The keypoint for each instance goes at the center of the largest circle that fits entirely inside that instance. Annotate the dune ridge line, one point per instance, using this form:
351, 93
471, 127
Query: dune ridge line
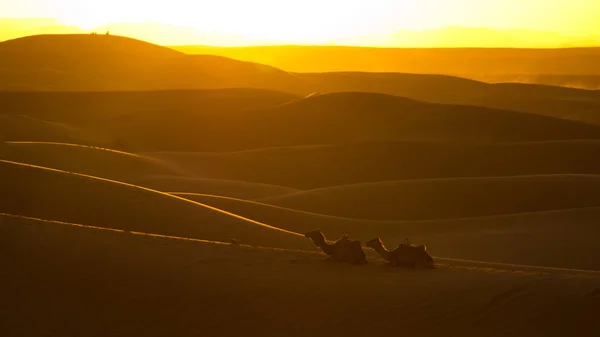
180, 238
497, 216
152, 191
82, 146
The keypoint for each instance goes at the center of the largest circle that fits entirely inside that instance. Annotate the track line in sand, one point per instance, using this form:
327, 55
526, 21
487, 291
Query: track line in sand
167, 165
162, 236
252, 202
450, 263
215, 209
483, 264
78, 145
496, 216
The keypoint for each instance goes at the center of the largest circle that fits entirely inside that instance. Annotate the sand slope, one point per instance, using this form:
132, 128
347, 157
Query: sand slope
563, 238
487, 64
448, 198
86, 62
95, 161
72, 281
351, 117
126, 121
23, 127
308, 167
231, 188
46, 193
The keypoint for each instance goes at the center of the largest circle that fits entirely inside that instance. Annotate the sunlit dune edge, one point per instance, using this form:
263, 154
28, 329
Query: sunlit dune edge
451, 261
55, 154
152, 191
366, 221
147, 285
226, 187
431, 197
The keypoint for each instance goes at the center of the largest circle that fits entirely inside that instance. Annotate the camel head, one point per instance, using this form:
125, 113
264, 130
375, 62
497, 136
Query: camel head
374, 243
316, 235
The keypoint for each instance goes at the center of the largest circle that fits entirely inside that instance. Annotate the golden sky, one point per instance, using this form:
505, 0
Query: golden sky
314, 21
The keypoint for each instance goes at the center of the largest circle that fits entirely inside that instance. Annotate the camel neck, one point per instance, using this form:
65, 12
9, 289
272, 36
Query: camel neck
383, 252
321, 243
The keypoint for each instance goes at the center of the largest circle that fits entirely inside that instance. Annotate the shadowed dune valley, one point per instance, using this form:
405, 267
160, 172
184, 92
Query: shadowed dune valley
292, 182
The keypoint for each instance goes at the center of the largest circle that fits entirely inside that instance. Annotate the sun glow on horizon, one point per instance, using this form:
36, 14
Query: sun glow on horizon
317, 21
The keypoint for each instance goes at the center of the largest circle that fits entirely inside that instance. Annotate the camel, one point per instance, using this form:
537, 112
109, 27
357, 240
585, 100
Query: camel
343, 250
405, 255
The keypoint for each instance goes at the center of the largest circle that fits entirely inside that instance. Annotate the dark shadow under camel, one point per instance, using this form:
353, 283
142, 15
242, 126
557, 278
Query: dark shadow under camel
343, 250
405, 255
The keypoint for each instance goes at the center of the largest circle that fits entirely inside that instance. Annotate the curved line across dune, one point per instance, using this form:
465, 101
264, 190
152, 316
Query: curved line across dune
97, 148
181, 238
268, 205
152, 191
172, 237
228, 181
420, 180
80, 145
496, 216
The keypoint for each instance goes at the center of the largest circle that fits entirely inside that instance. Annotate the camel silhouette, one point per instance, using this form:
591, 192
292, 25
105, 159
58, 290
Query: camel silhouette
343, 250
405, 255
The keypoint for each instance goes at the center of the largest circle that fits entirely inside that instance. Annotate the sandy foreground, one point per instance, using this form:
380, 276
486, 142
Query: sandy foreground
60, 280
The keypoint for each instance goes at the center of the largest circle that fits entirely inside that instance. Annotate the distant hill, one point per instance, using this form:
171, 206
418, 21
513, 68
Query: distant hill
99, 62
574, 67
125, 120
544, 100
444, 37
243, 119
351, 117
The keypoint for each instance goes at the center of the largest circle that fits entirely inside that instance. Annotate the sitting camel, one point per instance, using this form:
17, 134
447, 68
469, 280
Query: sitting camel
343, 250
406, 255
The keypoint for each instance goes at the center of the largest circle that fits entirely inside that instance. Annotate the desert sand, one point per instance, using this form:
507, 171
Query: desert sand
164, 194
80, 281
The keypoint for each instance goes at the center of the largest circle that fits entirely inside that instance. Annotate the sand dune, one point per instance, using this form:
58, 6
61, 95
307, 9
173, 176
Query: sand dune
22, 127
424, 199
487, 64
567, 67
59, 195
67, 107
308, 167
438, 88
148, 286
87, 62
536, 238
56, 195
118, 207
358, 117
583, 110
355, 116
95, 161
231, 188
218, 120
148, 120
543, 100
84, 62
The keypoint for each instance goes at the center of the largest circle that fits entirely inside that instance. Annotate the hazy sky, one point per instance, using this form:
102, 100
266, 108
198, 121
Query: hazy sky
309, 19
